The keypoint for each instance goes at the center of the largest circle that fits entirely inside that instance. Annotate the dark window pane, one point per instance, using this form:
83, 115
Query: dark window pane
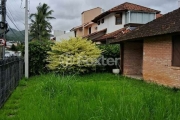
98, 22
102, 21
176, 51
118, 18
90, 30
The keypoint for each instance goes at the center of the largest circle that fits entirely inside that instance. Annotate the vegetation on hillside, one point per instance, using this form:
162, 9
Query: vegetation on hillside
14, 35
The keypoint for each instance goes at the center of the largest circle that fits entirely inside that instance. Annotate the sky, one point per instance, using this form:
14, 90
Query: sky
68, 12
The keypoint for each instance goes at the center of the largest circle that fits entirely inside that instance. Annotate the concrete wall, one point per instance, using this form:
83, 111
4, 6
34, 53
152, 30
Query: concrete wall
133, 58
79, 33
89, 15
157, 65
93, 29
58, 33
110, 23
65, 36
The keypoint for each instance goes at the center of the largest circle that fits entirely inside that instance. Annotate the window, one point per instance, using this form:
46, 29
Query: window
102, 21
75, 33
140, 17
98, 23
118, 18
80, 29
89, 30
176, 51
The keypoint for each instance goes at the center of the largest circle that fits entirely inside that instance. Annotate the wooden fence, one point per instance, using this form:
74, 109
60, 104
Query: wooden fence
11, 71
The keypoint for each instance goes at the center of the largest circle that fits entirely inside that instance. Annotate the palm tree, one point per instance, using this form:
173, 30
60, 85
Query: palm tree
41, 27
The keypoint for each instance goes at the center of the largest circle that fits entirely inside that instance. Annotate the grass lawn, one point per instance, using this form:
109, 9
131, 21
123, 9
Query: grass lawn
91, 97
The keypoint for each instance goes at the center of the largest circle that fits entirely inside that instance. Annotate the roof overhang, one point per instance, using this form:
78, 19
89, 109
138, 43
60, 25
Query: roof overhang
119, 40
96, 35
133, 25
89, 24
113, 35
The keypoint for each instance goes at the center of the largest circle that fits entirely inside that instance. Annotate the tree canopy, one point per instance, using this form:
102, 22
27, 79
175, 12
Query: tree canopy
40, 27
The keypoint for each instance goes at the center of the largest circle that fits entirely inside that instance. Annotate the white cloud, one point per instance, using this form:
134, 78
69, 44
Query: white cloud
68, 12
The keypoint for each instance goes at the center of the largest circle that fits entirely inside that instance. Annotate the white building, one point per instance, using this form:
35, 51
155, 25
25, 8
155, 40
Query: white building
65, 36
10, 43
58, 33
120, 20
61, 35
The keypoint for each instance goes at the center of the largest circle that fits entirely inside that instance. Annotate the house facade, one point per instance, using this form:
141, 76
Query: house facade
126, 15
87, 27
152, 51
118, 20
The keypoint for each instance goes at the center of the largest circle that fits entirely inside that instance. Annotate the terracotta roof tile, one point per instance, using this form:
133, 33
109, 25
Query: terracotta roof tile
133, 7
168, 23
85, 24
159, 15
113, 35
125, 7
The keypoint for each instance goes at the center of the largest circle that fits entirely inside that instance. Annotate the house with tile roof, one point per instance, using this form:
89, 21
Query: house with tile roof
123, 18
152, 51
87, 27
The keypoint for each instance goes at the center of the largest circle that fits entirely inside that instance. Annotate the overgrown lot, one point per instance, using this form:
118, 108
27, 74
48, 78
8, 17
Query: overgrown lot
91, 97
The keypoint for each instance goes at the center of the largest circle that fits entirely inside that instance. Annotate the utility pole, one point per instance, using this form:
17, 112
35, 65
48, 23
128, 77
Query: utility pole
3, 4
26, 41
4, 26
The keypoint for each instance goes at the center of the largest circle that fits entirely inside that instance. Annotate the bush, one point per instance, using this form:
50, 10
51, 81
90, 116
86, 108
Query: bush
109, 51
37, 56
73, 56
14, 48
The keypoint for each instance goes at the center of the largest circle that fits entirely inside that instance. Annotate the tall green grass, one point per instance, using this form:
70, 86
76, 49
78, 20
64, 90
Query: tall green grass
91, 97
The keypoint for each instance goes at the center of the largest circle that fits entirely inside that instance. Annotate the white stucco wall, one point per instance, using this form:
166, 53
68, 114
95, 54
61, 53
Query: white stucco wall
65, 36
135, 17
58, 33
110, 23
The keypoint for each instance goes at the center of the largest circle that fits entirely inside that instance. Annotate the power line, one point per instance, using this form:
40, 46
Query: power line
17, 14
11, 14
21, 4
14, 14
29, 6
14, 24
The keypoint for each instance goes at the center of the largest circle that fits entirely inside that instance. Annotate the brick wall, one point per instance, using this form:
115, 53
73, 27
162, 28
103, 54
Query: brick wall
133, 58
157, 57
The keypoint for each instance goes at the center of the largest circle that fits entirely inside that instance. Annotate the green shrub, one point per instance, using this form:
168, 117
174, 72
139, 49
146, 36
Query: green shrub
13, 48
37, 56
73, 56
109, 51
